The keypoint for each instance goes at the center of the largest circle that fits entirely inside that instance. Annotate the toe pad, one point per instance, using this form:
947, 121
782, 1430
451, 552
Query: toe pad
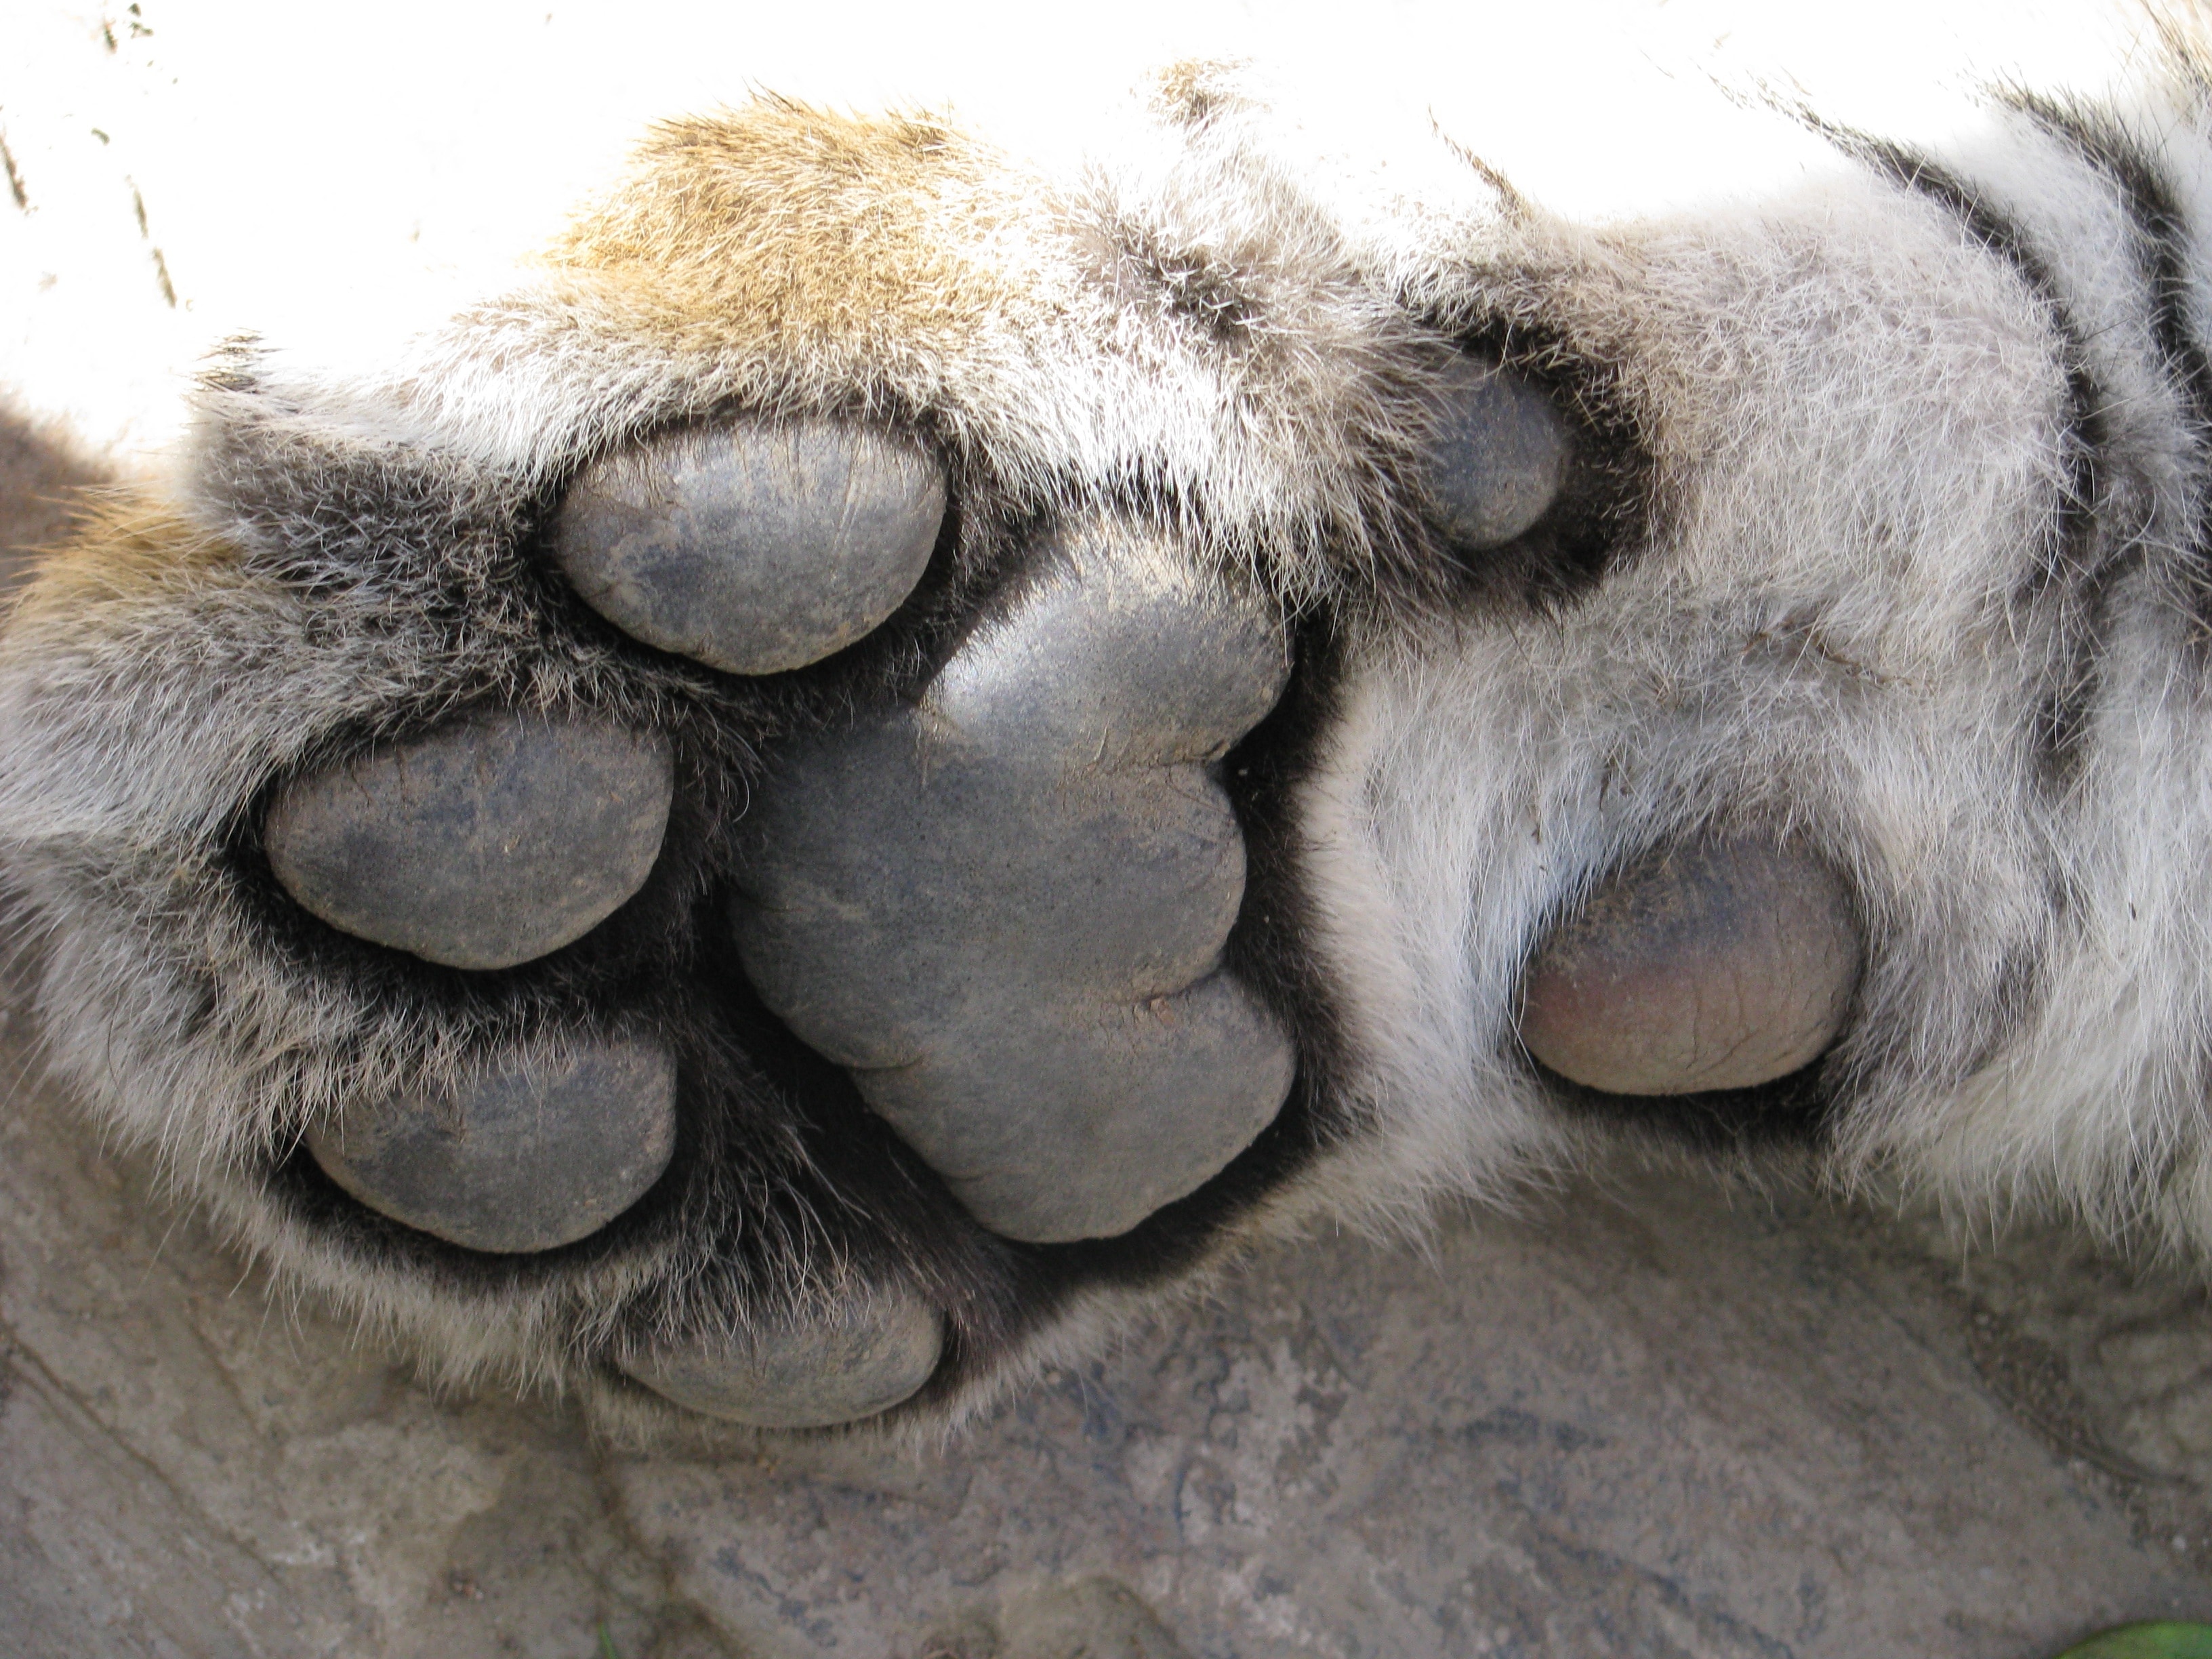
485, 844
1497, 455
755, 549
1717, 965
804, 1374
519, 1158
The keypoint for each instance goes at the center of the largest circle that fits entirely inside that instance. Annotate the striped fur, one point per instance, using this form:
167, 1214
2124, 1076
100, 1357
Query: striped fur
1893, 536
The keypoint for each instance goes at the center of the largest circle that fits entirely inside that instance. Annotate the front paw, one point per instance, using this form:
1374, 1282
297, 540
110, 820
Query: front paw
715, 830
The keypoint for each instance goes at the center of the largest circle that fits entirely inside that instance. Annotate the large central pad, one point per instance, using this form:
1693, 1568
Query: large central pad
1003, 907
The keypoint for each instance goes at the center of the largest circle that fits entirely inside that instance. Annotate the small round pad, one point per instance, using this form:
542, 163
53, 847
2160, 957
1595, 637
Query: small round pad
485, 844
755, 547
804, 1374
1717, 965
1497, 454
521, 1157
1005, 908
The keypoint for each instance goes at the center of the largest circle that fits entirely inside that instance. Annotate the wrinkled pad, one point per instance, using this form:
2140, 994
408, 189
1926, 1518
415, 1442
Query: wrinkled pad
754, 548
1004, 908
1715, 965
519, 1158
803, 1374
487, 843
1497, 455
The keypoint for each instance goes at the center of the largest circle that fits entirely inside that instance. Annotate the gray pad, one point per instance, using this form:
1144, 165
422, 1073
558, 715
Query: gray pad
1497, 454
519, 1158
804, 1375
483, 845
1005, 908
1717, 965
754, 548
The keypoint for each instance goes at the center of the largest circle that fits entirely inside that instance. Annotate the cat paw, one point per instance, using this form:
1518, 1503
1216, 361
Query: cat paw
716, 830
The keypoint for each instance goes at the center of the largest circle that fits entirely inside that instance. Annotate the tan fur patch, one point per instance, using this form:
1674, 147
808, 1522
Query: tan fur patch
783, 230
127, 546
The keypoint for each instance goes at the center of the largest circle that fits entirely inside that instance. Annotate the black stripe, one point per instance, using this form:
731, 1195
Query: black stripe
2078, 559
2088, 433
2165, 257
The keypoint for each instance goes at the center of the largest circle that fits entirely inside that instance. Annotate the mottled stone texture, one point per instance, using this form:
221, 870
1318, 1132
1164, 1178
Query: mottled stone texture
1661, 1421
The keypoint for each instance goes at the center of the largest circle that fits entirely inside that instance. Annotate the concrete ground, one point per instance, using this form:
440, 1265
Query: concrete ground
1647, 1416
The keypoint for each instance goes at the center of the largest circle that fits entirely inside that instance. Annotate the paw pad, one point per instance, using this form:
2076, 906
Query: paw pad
755, 549
487, 843
803, 1373
1004, 907
1717, 965
852, 984
930, 971
1497, 454
524, 1156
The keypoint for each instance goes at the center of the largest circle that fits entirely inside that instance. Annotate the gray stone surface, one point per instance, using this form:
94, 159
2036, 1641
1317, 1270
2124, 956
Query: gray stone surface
486, 843
1661, 1417
1497, 454
193, 1469
754, 548
804, 1374
1713, 965
1656, 1419
1647, 1424
523, 1156
1005, 908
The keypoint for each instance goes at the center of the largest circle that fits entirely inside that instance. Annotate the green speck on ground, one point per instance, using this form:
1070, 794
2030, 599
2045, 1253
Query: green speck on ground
2159, 1641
